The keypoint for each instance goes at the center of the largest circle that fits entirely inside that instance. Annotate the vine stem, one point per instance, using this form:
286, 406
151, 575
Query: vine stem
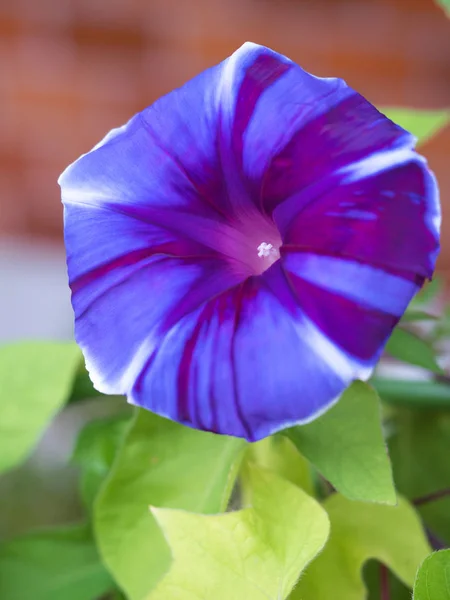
432, 497
384, 583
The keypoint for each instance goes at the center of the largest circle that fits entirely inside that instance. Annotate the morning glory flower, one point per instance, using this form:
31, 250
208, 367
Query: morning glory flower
240, 251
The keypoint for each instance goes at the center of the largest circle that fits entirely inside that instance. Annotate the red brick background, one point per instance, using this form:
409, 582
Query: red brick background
72, 69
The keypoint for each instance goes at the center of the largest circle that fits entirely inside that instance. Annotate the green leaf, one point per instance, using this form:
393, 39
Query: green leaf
429, 292
254, 554
278, 454
412, 316
82, 388
95, 450
35, 382
419, 449
346, 446
442, 328
410, 348
445, 5
359, 532
53, 565
164, 464
433, 577
421, 123
418, 394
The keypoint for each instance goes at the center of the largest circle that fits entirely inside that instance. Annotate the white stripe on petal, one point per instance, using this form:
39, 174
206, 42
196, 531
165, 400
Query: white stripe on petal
367, 285
344, 365
376, 163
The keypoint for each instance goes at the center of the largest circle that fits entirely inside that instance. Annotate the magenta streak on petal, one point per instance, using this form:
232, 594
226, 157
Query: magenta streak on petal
177, 249
187, 374
204, 373
238, 102
263, 73
236, 243
239, 293
376, 288
188, 406
322, 227
290, 208
343, 364
179, 298
219, 237
358, 329
269, 131
351, 130
205, 192
153, 316
418, 280
101, 280
129, 263
218, 278
186, 379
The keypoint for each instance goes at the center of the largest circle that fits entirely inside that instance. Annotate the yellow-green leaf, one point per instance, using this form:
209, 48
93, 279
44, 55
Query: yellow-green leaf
359, 532
253, 554
278, 454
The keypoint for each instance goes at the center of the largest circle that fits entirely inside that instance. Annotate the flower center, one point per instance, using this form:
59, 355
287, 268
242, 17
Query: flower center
268, 254
252, 245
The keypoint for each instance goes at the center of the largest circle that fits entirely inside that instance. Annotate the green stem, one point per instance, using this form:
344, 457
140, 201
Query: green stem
431, 497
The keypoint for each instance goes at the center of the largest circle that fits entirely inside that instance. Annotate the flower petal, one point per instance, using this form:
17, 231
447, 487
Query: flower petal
131, 172
131, 281
248, 363
121, 319
388, 218
364, 284
165, 217
354, 305
255, 109
288, 129
346, 130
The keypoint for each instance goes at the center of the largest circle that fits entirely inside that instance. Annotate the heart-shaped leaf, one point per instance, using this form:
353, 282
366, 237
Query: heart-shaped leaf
255, 554
164, 464
346, 446
433, 578
359, 532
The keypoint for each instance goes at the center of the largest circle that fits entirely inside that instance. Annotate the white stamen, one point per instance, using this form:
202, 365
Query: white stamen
269, 254
265, 250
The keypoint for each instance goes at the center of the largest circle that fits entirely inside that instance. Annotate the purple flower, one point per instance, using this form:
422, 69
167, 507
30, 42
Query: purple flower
241, 250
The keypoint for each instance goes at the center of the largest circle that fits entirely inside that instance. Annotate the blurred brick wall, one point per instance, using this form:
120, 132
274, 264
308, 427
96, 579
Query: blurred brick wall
72, 69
